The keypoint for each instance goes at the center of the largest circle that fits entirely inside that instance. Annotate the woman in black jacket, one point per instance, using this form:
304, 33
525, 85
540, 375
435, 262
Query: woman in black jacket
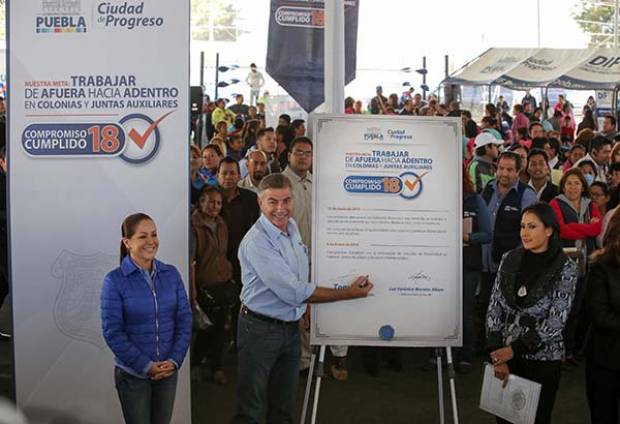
531, 300
603, 345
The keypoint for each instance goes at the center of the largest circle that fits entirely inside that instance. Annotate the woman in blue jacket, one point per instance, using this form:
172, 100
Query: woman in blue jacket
147, 323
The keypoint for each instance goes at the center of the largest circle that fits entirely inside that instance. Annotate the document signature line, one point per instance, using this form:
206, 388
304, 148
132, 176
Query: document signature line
407, 245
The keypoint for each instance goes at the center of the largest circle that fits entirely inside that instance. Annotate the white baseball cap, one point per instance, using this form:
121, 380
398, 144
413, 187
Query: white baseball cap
485, 138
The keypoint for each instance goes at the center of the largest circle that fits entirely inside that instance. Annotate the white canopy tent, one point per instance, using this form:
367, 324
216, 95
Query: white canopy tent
523, 68
574, 69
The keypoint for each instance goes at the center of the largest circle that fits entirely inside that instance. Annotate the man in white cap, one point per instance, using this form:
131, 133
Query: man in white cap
482, 168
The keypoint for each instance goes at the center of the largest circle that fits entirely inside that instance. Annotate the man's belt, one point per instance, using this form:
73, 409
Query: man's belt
249, 312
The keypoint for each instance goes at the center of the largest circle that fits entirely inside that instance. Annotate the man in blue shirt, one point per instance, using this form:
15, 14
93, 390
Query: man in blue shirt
276, 289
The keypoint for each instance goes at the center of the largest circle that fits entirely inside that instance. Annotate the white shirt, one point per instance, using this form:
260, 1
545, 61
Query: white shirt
302, 204
539, 192
255, 80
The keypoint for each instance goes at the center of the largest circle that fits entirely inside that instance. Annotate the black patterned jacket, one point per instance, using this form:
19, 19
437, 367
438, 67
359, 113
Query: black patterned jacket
534, 330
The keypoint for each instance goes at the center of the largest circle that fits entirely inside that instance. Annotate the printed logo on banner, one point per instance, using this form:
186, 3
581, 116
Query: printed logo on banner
373, 134
604, 61
60, 16
135, 139
408, 185
125, 15
76, 309
302, 17
376, 134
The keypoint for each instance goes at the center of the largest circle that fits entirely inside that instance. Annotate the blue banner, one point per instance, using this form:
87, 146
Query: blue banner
295, 53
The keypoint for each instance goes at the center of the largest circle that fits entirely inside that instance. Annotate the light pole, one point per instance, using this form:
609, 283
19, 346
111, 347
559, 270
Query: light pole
616, 25
538, 20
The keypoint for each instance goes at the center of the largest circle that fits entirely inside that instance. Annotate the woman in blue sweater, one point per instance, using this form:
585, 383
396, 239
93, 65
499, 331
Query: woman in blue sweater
147, 323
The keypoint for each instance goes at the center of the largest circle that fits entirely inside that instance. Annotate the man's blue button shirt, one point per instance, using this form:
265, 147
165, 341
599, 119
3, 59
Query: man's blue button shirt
275, 271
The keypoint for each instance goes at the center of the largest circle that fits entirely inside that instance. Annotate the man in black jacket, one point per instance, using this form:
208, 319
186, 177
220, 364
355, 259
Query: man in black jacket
506, 196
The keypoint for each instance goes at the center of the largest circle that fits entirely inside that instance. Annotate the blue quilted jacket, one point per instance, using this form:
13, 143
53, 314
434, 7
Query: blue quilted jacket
141, 324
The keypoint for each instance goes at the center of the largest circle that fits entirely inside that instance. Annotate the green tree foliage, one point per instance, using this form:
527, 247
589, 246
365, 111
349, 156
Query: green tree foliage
597, 20
214, 20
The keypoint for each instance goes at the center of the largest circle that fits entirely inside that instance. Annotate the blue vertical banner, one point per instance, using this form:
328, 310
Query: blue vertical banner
295, 54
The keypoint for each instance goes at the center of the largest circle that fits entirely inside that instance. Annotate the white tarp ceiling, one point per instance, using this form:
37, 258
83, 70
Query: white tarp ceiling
576, 69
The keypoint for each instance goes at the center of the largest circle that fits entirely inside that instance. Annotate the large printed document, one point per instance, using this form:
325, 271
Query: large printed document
517, 402
387, 204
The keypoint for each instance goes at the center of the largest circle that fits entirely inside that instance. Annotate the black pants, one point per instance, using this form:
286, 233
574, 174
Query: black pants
547, 373
4, 288
217, 302
574, 330
603, 390
471, 280
4, 265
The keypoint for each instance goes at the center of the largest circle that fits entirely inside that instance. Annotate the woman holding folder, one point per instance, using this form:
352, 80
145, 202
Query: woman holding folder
529, 306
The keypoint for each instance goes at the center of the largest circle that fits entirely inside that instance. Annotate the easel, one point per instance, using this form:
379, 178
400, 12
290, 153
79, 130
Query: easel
320, 373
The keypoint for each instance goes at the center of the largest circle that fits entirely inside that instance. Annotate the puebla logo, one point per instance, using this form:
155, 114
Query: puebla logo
60, 16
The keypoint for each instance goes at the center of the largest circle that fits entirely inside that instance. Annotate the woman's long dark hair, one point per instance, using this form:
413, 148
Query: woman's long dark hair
544, 212
128, 229
610, 253
468, 185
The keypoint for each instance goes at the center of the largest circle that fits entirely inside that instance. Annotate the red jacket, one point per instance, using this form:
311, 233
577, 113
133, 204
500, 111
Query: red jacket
576, 231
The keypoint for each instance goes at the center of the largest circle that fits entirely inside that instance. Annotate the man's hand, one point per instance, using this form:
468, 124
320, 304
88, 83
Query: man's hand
305, 319
360, 287
502, 372
595, 220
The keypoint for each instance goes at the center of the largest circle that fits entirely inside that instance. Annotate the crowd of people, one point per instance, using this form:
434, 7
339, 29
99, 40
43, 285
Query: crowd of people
540, 256
541, 195
540, 198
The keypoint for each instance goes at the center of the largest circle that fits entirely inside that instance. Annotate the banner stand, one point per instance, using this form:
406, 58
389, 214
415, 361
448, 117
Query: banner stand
438, 351
308, 387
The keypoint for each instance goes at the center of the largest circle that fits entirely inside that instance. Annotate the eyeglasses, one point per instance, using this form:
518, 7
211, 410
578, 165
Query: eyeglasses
301, 153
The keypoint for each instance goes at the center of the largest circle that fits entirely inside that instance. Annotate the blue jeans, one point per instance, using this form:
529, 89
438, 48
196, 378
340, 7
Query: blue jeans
145, 401
268, 371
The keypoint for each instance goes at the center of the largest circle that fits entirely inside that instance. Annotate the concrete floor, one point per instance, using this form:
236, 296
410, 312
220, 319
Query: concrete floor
409, 396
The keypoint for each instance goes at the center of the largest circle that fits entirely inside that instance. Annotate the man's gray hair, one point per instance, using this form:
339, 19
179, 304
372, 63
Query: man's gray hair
274, 181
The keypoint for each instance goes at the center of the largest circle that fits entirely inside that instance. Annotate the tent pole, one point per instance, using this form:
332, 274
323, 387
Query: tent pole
614, 102
546, 102
334, 57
